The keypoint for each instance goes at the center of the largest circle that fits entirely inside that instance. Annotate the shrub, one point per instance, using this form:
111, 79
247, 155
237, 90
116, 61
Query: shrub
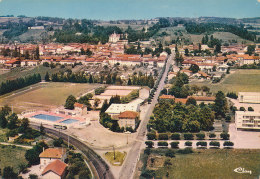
188, 136
212, 135
242, 109
149, 144
151, 136
187, 150
188, 143
163, 144
174, 144
228, 118
225, 136
202, 144
200, 136
148, 174
163, 136
147, 151
228, 144
232, 95
214, 144
250, 109
175, 136
170, 153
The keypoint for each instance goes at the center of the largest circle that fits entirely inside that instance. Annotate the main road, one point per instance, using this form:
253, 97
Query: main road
101, 168
127, 171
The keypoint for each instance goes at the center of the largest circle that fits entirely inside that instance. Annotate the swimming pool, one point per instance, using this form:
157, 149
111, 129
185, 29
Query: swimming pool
69, 121
47, 117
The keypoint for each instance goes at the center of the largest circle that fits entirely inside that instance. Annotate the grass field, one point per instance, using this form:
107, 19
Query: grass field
119, 157
239, 81
12, 156
213, 164
22, 72
45, 96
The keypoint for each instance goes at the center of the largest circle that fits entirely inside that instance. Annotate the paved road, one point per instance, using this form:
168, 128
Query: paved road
128, 168
102, 169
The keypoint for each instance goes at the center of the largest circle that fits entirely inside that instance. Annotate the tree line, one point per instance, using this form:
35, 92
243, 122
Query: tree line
12, 85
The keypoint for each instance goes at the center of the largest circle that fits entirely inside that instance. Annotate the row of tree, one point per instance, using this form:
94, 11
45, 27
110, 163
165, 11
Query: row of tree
11, 85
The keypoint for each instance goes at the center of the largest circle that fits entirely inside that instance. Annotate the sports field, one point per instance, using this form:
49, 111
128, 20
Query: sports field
44, 96
239, 81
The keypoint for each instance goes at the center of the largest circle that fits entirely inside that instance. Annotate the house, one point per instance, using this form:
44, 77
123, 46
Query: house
204, 99
51, 154
54, 170
223, 68
81, 108
12, 63
170, 97
187, 72
247, 120
116, 109
30, 63
128, 119
249, 97
113, 38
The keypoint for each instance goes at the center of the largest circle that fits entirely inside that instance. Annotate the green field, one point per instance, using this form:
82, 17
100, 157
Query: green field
239, 81
119, 157
22, 72
12, 156
44, 96
211, 164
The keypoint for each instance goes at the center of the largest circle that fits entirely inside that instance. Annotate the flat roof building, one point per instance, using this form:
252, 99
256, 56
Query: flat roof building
249, 97
247, 120
116, 109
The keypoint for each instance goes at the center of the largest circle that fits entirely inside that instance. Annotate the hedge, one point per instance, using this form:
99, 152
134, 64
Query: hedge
188, 136
151, 136
203, 144
188, 143
200, 136
176, 136
212, 135
149, 144
174, 144
228, 144
163, 136
163, 144
224, 136
214, 143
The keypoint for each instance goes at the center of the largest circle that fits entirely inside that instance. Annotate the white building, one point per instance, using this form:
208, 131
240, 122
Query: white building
116, 109
114, 38
247, 120
249, 97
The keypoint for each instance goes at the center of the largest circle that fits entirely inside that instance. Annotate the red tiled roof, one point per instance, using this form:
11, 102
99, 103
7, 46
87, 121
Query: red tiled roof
53, 153
204, 98
128, 115
181, 100
56, 166
78, 105
167, 97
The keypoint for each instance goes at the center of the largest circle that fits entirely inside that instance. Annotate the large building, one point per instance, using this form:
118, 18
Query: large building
116, 109
249, 97
128, 119
247, 120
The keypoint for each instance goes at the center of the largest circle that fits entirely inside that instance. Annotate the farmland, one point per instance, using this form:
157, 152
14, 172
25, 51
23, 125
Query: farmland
44, 96
238, 81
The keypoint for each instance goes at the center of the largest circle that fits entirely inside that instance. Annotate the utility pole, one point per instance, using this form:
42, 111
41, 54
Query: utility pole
114, 153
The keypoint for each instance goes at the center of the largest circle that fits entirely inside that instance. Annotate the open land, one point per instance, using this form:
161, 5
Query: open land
212, 163
239, 81
12, 156
45, 95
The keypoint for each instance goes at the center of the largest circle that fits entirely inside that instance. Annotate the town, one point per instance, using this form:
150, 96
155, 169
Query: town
138, 99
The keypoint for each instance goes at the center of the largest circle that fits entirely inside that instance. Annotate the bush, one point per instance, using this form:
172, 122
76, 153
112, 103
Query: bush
170, 153
228, 144
188, 143
147, 151
225, 136
212, 135
151, 136
163, 136
149, 144
242, 109
162, 144
175, 136
250, 109
214, 144
188, 136
148, 174
232, 95
228, 118
174, 144
200, 136
187, 150
202, 144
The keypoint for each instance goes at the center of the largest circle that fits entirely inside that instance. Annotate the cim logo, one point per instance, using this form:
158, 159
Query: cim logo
242, 170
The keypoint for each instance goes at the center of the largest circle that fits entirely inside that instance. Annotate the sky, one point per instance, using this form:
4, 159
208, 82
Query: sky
131, 9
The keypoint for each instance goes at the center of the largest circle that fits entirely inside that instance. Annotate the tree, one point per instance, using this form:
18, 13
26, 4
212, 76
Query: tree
12, 121
242, 108
218, 48
220, 104
192, 101
47, 77
186, 52
250, 49
42, 129
9, 173
104, 106
71, 100
96, 102
24, 125
37, 53
58, 142
250, 109
32, 156
174, 144
194, 68
149, 144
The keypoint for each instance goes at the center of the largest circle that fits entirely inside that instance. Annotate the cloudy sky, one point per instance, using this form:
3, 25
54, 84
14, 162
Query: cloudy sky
131, 9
